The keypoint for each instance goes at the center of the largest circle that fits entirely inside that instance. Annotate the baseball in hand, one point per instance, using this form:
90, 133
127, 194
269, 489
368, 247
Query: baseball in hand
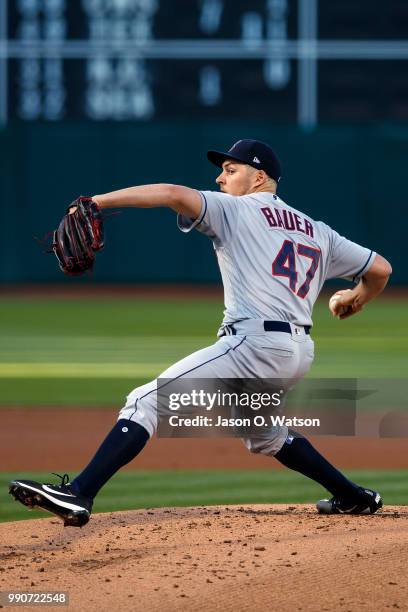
335, 303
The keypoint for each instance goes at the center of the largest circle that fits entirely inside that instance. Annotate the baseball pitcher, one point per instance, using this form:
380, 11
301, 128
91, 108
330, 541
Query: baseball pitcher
274, 261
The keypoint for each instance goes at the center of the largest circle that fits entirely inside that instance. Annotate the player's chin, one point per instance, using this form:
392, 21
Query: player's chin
232, 192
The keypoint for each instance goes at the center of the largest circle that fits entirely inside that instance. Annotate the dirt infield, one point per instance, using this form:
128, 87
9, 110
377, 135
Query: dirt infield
42, 439
45, 438
217, 558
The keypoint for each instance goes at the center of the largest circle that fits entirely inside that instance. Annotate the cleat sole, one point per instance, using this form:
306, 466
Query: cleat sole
73, 519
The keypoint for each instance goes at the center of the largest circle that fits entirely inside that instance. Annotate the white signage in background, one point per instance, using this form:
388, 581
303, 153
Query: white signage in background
29, 81
119, 89
54, 29
252, 29
210, 86
210, 93
41, 92
48, 48
210, 15
277, 70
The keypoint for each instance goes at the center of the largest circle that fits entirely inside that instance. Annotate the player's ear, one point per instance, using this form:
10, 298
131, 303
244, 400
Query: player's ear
260, 177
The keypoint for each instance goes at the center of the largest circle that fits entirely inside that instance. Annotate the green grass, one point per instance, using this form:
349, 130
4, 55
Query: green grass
94, 351
147, 489
93, 393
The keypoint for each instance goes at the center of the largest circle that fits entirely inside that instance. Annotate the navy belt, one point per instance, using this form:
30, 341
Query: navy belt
283, 326
279, 326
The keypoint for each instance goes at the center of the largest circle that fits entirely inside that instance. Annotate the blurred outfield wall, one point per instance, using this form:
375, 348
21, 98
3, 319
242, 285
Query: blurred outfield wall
354, 178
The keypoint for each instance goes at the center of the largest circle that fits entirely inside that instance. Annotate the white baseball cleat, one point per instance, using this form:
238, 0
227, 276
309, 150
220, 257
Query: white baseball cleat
367, 502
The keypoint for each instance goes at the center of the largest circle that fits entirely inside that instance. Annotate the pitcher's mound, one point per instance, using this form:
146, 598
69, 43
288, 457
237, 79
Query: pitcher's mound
213, 558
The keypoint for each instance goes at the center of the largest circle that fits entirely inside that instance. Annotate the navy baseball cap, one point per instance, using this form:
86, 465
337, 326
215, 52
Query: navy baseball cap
252, 152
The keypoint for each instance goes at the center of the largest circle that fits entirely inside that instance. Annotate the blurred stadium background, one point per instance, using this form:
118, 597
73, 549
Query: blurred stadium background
96, 95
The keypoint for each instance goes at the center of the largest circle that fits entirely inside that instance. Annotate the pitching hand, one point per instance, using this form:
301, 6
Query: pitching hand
345, 303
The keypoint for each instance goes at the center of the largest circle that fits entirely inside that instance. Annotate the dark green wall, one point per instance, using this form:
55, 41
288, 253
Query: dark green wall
353, 178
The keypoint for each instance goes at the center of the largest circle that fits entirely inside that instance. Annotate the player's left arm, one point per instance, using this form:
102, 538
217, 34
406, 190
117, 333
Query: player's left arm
183, 200
372, 283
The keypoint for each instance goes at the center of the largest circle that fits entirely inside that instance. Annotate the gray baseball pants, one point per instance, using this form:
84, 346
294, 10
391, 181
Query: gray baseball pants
250, 353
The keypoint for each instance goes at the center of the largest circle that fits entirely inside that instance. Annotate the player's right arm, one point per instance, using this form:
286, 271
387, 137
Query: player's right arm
181, 199
371, 284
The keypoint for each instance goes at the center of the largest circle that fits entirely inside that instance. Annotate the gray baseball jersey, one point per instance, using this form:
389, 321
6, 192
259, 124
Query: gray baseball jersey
273, 258
274, 261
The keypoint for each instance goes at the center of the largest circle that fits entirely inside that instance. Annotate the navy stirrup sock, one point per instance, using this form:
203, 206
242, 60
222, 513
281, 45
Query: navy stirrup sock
120, 446
298, 454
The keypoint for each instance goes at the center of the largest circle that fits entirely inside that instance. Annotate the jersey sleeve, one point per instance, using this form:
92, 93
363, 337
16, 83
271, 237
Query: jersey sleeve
218, 216
347, 259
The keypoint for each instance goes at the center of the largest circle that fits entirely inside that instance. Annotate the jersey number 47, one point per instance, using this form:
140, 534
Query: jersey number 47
284, 264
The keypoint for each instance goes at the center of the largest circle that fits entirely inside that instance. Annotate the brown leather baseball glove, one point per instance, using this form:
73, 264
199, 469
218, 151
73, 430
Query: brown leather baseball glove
79, 236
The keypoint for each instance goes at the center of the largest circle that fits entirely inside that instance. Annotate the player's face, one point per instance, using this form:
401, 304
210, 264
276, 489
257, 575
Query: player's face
235, 178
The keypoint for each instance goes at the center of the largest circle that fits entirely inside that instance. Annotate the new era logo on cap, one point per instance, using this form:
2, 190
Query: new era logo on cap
256, 160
